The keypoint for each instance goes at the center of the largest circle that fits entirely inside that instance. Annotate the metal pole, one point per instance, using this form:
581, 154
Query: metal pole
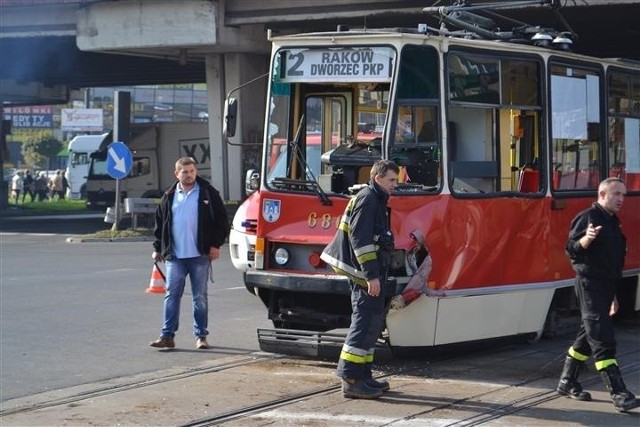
116, 222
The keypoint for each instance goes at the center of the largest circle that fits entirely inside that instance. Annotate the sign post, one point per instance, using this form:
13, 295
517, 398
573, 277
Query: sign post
119, 162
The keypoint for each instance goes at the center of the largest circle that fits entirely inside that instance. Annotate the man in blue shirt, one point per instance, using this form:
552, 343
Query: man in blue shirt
191, 226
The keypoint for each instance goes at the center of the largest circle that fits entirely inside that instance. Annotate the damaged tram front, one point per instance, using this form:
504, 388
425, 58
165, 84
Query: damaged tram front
494, 165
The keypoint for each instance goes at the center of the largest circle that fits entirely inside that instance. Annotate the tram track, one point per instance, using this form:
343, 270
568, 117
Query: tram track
502, 410
488, 406
527, 402
113, 389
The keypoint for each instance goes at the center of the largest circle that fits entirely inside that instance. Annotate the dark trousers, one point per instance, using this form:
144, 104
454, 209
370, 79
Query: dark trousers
595, 337
367, 321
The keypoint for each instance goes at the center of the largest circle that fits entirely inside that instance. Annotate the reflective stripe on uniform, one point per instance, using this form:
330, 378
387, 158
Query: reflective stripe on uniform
354, 350
355, 355
577, 355
353, 358
364, 250
603, 364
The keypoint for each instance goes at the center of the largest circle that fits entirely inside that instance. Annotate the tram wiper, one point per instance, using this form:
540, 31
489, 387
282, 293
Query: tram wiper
298, 155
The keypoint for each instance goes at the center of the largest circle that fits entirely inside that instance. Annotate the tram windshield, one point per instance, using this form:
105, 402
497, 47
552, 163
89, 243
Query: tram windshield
327, 111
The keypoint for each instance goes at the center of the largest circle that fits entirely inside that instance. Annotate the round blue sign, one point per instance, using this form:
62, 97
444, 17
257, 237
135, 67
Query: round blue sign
119, 160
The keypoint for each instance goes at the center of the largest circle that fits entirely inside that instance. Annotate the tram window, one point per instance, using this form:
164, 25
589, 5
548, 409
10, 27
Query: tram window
418, 76
490, 80
624, 128
474, 78
495, 103
416, 147
576, 127
416, 143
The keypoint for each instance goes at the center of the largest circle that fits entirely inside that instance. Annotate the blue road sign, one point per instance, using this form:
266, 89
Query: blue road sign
119, 160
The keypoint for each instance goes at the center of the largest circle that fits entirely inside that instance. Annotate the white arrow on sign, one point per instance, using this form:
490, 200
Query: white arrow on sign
119, 161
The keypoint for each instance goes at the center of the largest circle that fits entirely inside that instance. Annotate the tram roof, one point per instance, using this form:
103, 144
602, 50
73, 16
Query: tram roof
378, 35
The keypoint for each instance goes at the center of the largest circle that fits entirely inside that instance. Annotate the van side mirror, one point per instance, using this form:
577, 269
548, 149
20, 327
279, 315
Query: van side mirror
251, 181
230, 117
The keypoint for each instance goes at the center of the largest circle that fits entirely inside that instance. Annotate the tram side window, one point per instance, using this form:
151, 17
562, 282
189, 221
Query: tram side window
576, 127
416, 145
624, 128
494, 124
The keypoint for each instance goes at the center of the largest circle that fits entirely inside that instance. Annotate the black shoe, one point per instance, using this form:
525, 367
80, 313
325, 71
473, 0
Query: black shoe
358, 389
623, 399
380, 385
569, 385
573, 390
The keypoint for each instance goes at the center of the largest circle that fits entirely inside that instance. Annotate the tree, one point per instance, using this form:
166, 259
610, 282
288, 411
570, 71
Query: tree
38, 153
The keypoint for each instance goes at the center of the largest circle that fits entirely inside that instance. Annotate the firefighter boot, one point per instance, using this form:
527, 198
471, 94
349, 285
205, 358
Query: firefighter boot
623, 399
569, 385
373, 383
358, 389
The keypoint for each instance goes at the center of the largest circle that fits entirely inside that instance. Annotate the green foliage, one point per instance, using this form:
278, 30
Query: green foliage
63, 206
37, 153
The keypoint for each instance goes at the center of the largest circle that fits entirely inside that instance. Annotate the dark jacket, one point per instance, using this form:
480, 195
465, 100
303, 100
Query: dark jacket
604, 258
213, 222
362, 245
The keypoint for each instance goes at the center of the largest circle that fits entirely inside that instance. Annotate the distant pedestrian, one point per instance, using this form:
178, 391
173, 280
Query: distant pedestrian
361, 250
56, 185
29, 186
17, 185
597, 249
41, 186
65, 184
191, 226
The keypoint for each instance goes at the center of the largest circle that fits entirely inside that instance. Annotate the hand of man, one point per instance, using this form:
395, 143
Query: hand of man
157, 256
214, 253
590, 235
373, 287
614, 307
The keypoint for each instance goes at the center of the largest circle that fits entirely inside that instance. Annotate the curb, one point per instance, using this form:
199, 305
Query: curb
80, 239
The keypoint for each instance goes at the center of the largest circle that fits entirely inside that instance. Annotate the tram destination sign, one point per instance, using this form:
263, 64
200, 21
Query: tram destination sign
353, 64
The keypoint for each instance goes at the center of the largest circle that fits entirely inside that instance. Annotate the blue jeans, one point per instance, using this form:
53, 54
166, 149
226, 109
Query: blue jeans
177, 271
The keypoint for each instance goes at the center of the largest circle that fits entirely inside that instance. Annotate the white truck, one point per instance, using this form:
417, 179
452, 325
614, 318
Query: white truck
80, 149
155, 148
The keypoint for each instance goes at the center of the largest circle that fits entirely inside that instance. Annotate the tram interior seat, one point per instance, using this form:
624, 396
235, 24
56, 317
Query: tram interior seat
529, 181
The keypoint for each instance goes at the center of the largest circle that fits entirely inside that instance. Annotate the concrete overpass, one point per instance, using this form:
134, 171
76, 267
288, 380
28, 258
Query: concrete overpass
49, 47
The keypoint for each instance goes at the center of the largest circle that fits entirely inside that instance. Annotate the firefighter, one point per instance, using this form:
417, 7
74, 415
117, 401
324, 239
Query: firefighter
597, 248
361, 250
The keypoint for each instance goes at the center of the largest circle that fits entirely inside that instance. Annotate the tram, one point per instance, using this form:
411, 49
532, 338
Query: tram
502, 138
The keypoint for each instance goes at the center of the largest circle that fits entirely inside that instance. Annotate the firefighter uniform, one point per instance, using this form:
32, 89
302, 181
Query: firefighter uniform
598, 268
361, 250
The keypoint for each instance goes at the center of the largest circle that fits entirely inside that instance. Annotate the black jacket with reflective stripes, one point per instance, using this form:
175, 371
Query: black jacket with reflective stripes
363, 239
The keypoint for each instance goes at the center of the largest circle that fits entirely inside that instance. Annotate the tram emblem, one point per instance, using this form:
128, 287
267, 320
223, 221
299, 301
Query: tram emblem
271, 210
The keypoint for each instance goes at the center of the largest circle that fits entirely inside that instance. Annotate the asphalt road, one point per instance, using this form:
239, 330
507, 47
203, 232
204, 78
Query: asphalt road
77, 313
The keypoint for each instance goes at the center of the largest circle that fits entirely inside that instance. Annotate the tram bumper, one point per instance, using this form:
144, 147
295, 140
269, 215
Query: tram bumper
322, 284
324, 345
303, 301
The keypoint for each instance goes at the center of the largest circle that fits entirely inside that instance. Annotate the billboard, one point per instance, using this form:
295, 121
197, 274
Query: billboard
82, 119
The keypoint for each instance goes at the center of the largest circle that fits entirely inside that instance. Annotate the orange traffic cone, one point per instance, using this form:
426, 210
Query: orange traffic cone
157, 284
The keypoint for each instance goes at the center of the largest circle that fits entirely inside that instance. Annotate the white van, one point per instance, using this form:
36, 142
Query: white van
80, 149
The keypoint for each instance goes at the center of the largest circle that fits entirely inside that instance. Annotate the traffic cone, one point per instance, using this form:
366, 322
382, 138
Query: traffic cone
157, 284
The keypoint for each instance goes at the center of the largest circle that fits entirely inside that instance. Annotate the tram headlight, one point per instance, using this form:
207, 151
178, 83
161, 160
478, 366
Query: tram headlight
281, 256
